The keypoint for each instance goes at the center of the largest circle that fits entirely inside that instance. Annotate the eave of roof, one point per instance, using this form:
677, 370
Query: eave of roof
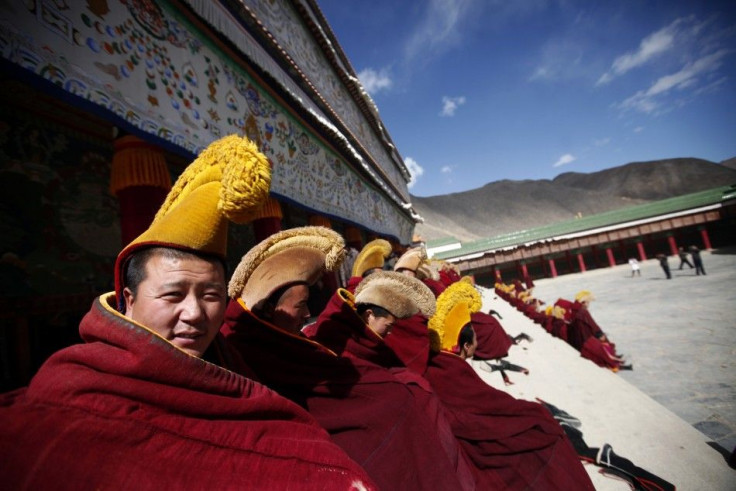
630, 216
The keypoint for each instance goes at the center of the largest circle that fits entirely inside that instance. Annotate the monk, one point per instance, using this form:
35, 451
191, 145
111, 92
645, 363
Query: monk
355, 327
514, 444
585, 335
370, 259
144, 403
368, 411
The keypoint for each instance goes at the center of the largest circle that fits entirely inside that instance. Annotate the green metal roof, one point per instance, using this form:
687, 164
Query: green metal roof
441, 242
609, 218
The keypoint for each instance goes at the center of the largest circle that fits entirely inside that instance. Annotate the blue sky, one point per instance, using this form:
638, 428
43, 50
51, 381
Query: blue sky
474, 91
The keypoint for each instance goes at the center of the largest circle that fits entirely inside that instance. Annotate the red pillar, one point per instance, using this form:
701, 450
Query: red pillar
673, 245
140, 179
268, 221
706, 239
611, 259
524, 272
581, 262
552, 268
497, 273
642, 253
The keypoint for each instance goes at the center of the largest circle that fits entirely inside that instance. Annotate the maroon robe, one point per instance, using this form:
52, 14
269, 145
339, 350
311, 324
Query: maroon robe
368, 412
514, 444
409, 340
493, 341
448, 276
437, 287
601, 353
353, 283
128, 410
581, 327
560, 328
341, 329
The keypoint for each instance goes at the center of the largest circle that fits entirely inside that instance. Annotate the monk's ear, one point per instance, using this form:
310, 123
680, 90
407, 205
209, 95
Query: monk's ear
129, 298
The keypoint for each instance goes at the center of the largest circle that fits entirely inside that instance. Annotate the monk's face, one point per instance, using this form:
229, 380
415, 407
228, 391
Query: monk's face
469, 349
181, 299
291, 311
380, 325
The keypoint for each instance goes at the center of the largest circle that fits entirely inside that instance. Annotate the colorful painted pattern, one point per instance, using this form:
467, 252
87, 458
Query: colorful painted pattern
144, 62
279, 18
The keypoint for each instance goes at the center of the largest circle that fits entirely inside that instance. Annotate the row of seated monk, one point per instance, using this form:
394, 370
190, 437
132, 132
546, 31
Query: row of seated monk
188, 380
570, 321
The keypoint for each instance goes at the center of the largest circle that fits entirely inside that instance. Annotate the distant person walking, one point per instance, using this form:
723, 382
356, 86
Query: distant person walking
695, 253
683, 258
665, 265
634, 267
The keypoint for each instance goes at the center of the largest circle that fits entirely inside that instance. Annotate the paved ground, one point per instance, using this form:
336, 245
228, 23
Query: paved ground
679, 333
675, 413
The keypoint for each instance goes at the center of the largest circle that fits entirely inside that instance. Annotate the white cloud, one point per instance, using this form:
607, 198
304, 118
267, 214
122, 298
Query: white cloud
649, 48
561, 59
439, 29
564, 160
446, 169
602, 142
450, 105
638, 129
374, 81
649, 101
415, 170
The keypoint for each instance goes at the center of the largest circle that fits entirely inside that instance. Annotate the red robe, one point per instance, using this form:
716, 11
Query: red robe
340, 329
353, 283
409, 340
493, 341
581, 327
128, 410
514, 444
368, 412
601, 353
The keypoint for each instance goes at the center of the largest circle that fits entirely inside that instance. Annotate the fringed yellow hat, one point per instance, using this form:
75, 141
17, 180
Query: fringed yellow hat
373, 255
584, 296
229, 180
297, 255
454, 307
411, 259
557, 312
401, 295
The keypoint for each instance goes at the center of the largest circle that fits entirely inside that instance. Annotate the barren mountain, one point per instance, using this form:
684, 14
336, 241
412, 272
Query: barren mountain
506, 206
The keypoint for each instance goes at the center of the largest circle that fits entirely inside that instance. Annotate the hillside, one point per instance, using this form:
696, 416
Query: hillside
507, 206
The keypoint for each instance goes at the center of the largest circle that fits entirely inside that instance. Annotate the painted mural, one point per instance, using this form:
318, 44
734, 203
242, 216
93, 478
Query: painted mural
144, 62
279, 18
59, 226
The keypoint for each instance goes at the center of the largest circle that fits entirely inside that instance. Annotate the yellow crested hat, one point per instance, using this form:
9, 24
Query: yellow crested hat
454, 306
584, 296
558, 312
373, 255
401, 295
297, 255
228, 181
411, 259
